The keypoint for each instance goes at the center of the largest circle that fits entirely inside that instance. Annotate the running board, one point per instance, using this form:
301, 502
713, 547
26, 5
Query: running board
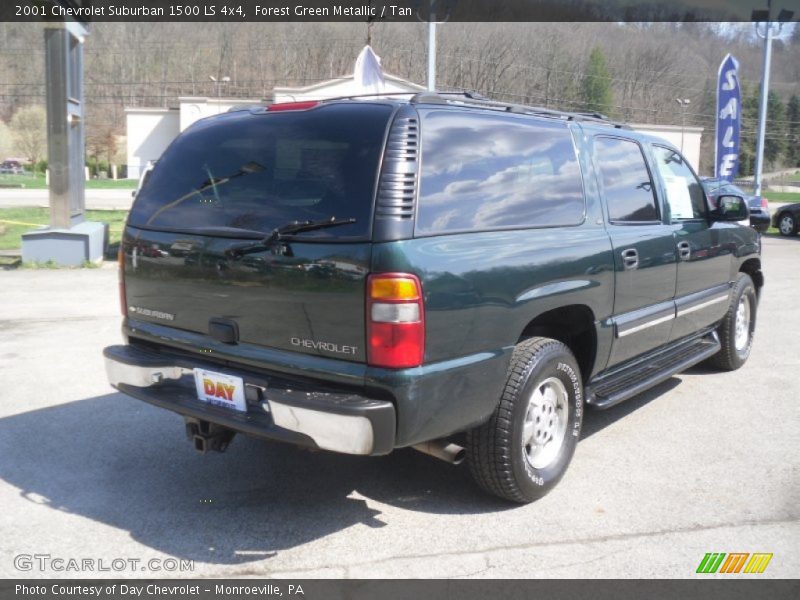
652, 370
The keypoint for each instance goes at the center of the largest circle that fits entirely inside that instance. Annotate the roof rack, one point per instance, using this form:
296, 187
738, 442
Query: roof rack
375, 95
471, 99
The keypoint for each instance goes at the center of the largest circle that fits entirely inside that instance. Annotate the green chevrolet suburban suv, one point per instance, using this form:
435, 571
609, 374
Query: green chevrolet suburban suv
439, 271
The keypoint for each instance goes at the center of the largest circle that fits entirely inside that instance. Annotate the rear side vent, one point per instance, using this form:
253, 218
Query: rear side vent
397, 188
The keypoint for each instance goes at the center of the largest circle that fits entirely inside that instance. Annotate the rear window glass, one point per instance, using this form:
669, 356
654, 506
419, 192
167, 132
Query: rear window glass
486, 171
259, 172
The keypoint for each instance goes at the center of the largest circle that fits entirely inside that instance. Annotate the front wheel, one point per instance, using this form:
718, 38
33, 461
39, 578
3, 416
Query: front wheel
523, 450
738, 326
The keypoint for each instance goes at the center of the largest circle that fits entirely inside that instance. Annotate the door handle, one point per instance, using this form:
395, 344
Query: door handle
684, 250
630, 259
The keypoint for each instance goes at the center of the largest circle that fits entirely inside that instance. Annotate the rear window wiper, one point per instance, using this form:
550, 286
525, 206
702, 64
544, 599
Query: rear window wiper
225, 232
281, 232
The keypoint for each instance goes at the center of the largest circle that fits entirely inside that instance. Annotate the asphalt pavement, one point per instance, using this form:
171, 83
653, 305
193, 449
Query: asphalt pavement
706, 462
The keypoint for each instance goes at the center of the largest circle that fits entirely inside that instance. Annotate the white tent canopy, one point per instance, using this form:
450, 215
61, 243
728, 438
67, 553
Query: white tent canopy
368, 73
367, 78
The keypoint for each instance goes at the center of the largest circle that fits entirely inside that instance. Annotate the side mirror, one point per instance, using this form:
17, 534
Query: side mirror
730, 208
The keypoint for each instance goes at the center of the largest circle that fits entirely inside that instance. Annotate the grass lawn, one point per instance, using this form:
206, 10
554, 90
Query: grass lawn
17, 221
782, 196
28, 181
37, 183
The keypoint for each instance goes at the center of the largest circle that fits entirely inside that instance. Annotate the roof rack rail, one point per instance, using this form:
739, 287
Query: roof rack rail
375, 95
469, 99
472, 98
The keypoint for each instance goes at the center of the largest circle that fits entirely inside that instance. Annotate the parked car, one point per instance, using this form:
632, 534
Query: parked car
441, 272
787, 218
758, 205
11, 167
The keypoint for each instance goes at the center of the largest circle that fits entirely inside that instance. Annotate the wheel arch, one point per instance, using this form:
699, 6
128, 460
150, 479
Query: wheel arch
752, 266
574, 326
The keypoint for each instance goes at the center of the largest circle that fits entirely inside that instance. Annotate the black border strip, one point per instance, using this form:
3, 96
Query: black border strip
711, 587
385, 10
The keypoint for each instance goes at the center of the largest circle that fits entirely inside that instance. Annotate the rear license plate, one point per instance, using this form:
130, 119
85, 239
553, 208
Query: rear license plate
220, 389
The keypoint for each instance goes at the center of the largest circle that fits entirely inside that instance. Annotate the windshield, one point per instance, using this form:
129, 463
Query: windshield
260, 172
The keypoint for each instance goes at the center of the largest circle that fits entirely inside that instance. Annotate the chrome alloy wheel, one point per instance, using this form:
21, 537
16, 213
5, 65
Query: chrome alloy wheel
786, 225
545, 423
742, 332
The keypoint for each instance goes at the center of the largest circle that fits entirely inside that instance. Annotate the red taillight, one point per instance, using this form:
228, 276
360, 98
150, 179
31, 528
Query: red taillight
292, 106
395, 321
123, 305
764, 204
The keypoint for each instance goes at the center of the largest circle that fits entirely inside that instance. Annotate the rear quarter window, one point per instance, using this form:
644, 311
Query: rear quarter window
487, 171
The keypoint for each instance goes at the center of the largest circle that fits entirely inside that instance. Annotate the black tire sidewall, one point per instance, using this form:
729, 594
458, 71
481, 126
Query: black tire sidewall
556, 362
744, 287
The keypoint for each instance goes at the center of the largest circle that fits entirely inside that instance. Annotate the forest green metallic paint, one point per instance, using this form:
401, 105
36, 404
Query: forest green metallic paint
288, 292
296, 303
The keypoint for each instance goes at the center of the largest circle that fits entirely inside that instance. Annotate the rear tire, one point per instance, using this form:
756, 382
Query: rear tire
737, 327
787, 224
523, 450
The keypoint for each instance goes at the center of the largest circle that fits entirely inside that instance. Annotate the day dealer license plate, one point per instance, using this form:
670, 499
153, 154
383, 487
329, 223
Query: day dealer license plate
220, 389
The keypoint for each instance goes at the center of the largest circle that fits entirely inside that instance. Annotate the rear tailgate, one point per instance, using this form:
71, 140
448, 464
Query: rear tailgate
230, 180
309, 299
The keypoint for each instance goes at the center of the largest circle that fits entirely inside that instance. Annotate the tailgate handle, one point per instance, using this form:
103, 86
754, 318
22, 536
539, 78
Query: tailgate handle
224, 330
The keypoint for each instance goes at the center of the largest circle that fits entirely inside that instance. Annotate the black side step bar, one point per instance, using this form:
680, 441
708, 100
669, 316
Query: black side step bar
652, 370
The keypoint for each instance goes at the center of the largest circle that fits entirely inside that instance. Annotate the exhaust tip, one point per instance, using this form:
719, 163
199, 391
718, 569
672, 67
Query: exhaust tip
446, 451
460, 455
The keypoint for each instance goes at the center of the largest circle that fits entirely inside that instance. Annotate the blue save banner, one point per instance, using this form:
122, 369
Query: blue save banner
729, 119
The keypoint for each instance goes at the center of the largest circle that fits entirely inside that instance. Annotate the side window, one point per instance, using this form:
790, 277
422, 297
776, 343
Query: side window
627, 186
486, 171
684, 193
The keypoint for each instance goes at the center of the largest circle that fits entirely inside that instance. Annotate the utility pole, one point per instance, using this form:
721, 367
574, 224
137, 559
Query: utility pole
432, 53
684, 102
431, 18
765, 16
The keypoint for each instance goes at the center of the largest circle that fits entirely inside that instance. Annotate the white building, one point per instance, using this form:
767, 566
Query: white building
342, 86
687, 139
150, 130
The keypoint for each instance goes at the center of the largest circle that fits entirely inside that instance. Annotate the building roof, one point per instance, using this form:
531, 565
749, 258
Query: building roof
393, 80
677, 128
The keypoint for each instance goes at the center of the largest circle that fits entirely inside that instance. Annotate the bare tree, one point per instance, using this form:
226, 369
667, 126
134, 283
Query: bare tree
101, 135
650, 64
6, 145
29, 132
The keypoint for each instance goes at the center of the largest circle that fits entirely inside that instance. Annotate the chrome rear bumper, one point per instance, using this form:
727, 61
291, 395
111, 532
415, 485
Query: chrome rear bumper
329, 420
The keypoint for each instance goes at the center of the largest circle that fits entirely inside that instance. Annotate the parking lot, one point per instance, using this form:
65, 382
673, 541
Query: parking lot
706, 462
